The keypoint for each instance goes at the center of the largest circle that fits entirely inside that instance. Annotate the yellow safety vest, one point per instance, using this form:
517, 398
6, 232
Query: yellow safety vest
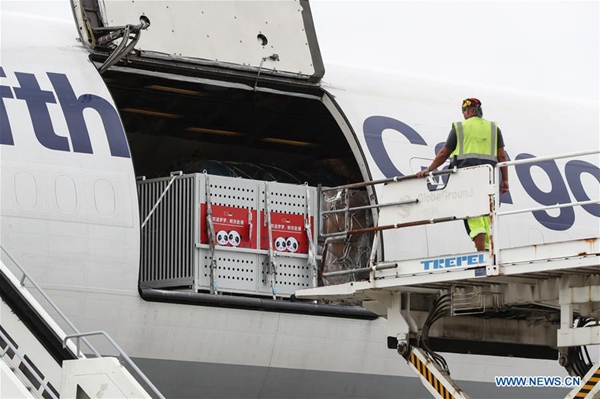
476, 138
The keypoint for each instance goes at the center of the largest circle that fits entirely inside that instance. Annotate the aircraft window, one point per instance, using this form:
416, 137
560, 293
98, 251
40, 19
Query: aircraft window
25, 190
66, 193
104, 196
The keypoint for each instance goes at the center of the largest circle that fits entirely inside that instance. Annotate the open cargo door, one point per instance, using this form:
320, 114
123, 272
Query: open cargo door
275, 38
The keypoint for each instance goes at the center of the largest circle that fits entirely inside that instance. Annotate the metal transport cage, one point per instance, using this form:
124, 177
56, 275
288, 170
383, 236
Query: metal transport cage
227, 235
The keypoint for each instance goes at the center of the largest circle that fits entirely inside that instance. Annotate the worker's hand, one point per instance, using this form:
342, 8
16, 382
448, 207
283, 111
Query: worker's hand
504, 187
423, 172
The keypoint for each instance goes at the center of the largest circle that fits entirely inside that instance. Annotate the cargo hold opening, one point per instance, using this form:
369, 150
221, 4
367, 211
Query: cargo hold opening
196, 125
276, 133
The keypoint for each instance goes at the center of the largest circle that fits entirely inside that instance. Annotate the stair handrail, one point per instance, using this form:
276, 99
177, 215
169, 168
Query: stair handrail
26, 363
27, 276
79, 335
122, 355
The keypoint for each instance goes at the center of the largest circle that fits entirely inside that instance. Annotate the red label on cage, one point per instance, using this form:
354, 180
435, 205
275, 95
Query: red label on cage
287, 232
234, 227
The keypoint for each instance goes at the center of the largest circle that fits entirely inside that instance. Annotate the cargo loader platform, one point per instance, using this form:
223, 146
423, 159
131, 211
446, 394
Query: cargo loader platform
431, 274
550, 283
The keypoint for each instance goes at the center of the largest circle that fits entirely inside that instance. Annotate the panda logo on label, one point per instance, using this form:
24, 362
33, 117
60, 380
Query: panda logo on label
291, 244
234, 238
222, 237
280, 244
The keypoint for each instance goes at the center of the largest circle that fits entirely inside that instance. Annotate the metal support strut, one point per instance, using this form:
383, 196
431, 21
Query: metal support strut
312, 252
162, 195
211, 238
270, 263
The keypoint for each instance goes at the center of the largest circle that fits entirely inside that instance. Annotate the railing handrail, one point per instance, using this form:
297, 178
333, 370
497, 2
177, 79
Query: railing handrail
493, 211
26, 363
547, 158
547, 207
386, 180
347, 209
497, 170
122, 355
494, 241
46, 297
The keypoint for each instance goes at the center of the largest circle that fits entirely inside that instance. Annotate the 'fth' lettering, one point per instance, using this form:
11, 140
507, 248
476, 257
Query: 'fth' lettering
72, 106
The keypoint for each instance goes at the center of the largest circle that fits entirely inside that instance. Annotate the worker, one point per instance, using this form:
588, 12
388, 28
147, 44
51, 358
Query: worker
476, 141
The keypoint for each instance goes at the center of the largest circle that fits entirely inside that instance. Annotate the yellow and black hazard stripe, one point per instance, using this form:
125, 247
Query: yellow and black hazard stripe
589, 385
432, 379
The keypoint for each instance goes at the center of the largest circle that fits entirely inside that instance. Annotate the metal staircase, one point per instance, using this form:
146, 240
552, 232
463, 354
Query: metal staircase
39, 360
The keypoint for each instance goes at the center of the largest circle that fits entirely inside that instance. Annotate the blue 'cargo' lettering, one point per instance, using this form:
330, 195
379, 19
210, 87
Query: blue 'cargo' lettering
559, 194
573, 171
373, 130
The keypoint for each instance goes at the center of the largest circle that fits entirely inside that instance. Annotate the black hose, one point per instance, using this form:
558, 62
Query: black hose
579, 355
113, 57
441, 308
123, 48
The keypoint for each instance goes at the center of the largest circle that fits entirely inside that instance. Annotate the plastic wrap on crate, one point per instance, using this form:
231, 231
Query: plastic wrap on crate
353, 252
